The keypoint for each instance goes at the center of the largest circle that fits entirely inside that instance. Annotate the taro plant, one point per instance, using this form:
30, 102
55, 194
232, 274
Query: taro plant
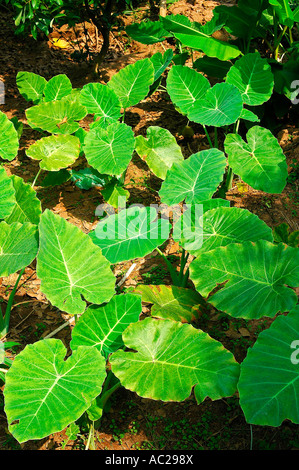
230, 260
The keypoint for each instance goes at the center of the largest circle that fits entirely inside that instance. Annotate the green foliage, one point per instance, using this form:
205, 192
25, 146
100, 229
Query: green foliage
238, 264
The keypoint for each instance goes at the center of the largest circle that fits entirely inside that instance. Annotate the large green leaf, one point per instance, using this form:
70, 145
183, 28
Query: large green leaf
148, 32
101, 101
70, 266
256, 276
222, 105
132, 233
195, 179
18, 246
27, 207
269, 380
159, 149
171, 358
9, 142
190, 35
55, 152
171, 302
260, 162
44, 393
185, 86
253, 77
57, 117
102, 326
31, 86
7, 194
225, 225
110, 150
132, 83
58, 87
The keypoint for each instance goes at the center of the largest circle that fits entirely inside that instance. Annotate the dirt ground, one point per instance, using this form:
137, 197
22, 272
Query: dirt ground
133, 422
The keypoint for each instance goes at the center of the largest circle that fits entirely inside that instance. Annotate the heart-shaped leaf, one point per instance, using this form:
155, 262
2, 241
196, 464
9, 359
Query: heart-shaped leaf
132, 83
132, 233
55, 152
110, 150
9, 142
31, 86
171, 302
253, 77
18, 246
269, 380
102, 326
260, 162
27, 207
225, 225
222, 105
195, 179
255, 277
7, 194
171, 358
70, 266
57, 117
101, 101
57, 87
44, 393
159, 149
185, 86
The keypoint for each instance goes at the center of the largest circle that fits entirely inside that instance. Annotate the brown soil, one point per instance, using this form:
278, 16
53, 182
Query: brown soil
133, 422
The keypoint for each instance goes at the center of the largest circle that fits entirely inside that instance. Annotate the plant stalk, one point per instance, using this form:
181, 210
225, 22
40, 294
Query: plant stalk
4, 321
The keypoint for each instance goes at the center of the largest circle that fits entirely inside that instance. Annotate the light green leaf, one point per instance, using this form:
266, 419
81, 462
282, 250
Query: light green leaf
249, 115
31, 86
171, 358
256, 276
159, 149
171, 302
44, 393
9, 142
55, 152
253, 77
70, 266
260, 162
269, 380
58, 87
132, 233
27, 207
195, 179
113, 192
7, 194
185, 86
283, 11
102, 326
190, 35
222, 105
110, 150
101, 101
132, 83
225, 225
57, 117
161, 62
18, 246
